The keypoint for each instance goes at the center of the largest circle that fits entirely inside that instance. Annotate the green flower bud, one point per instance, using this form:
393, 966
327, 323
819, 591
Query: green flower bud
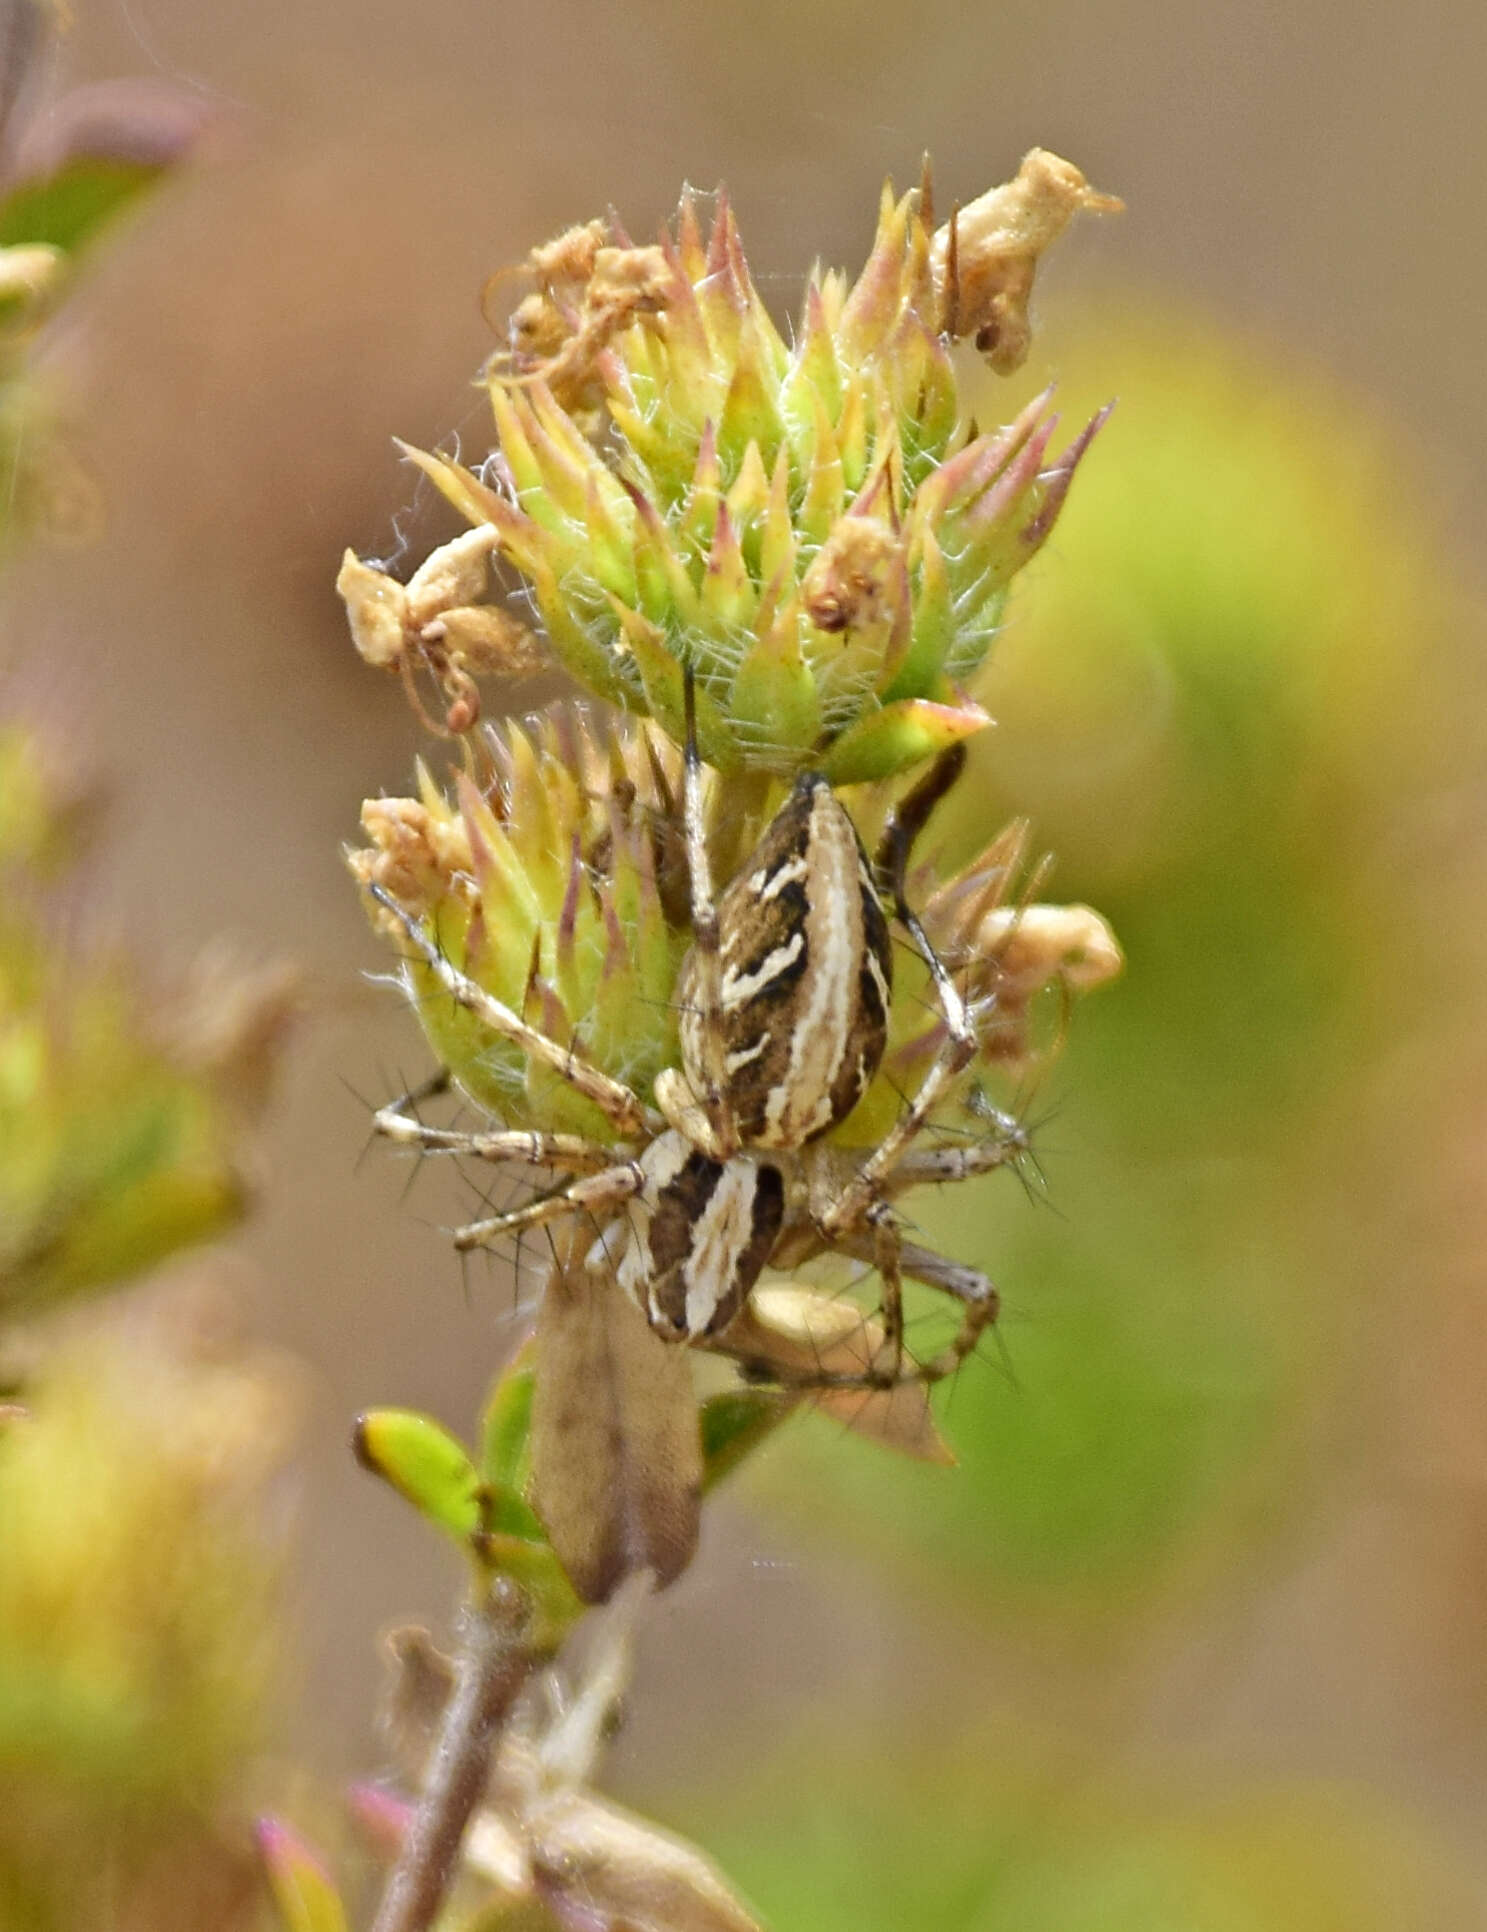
553, 877
810, 524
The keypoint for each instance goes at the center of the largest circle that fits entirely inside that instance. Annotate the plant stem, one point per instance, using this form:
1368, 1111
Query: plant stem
492, 1665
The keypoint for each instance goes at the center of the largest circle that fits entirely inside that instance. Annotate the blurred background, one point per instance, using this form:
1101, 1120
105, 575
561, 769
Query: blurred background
1194, 1635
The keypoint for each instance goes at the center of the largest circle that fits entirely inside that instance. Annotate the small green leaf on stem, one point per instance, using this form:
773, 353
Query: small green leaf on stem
554, 1604
901, 735
505, 1457
424, 1463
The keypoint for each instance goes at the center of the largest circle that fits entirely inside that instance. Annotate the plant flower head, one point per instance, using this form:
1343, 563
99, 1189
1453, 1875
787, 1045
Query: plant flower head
811, 524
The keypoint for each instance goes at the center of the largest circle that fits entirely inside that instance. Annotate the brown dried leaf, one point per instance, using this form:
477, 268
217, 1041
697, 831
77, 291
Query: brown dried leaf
569, 257
421, 1680
588, 293
486, 641
616, 1448
899, 1418
435, 624
799, 1331
419, 857
455, 574
377, 610
1027, 948
597, 1865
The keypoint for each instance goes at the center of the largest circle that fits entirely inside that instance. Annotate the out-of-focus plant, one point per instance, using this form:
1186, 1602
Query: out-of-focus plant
1010, 1828
65, 177
119, 1128
138, 1635
138, 1559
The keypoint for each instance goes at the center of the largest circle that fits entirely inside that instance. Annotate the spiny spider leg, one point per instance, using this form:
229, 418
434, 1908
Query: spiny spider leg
612, 1097
887, 1259
705, 940
910, 816
528, 1147
966, 1285
929, 1166
594, 1194
430, 1089
959, 1047
969, 1287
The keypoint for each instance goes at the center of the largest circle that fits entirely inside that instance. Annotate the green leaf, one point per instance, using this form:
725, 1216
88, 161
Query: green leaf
734, 1423
425, 1463
69, 207
900, 735
306, 1899
774, 696
534, 1567
504, 1456
433, 1470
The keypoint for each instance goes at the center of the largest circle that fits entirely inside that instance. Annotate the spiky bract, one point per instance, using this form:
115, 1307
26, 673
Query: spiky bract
810, 524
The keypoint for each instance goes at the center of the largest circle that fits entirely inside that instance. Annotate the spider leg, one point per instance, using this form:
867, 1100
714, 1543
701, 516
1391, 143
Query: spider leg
911, 814
958, 1048
968, 1286
594, 1194
977, 1296
706, 1117
612, 1097
887, 1258
430, 1089
570, 1153
1005, 1146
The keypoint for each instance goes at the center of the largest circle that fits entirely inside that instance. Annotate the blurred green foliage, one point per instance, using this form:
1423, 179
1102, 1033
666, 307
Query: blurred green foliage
1003, 1832
138, 1584
115, 1149
304, 1896
92, 167
117, 1141
68, 207
137, 1630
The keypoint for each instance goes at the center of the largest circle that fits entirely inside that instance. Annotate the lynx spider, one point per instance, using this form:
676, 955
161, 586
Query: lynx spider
730, 1174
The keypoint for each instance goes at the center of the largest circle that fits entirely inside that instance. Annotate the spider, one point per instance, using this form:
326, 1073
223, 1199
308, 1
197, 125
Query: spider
784, 1002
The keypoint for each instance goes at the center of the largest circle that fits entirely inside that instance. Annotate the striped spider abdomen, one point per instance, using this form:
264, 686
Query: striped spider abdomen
700, 1233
